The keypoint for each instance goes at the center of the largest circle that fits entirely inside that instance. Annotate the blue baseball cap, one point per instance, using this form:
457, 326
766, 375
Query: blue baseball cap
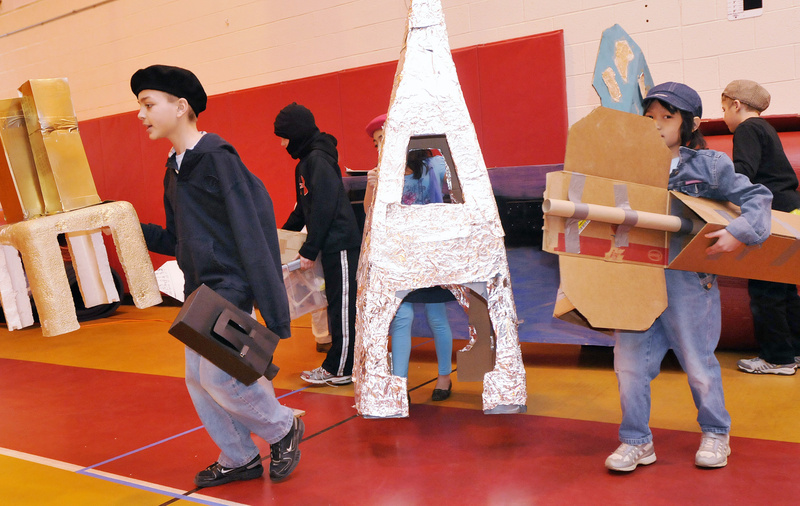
677, 95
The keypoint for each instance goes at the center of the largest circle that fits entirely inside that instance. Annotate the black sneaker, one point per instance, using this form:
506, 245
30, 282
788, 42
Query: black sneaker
215, 474
286, 452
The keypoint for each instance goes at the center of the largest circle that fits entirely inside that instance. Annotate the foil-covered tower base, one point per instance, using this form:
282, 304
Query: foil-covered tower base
457, 244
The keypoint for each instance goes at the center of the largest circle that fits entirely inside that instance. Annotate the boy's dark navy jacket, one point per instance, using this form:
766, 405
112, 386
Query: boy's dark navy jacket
221, 230
322, 203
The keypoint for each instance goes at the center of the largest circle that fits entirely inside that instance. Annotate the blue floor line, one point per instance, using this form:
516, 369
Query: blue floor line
151, 445
175, 495
112, 459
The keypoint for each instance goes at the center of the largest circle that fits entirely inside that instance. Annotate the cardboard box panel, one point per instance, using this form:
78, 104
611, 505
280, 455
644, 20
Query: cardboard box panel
473, 362
597, 239
776, 259
290, 243
618, 145
611, 295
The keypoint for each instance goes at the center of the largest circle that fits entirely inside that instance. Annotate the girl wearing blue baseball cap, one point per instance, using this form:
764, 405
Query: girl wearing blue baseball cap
690, 325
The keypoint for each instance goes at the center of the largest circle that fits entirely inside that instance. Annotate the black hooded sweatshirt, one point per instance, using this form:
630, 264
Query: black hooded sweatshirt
322, 203
221, 230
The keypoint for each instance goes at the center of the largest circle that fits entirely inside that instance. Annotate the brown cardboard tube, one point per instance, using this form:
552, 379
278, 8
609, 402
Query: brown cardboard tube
619, 216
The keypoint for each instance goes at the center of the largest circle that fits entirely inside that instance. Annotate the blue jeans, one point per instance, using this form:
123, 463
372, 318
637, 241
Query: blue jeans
690, 326
231, 410
400, 329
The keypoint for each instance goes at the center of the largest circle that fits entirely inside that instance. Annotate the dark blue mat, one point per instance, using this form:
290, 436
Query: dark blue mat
534, 281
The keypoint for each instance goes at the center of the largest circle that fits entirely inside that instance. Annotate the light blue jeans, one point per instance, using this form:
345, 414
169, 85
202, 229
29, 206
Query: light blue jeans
690, 326
231, 410
400, 329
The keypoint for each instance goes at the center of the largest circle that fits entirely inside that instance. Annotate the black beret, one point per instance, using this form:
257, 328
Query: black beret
295, 122
173, 80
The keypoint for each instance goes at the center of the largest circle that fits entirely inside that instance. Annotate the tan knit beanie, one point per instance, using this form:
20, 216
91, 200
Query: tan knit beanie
748, 92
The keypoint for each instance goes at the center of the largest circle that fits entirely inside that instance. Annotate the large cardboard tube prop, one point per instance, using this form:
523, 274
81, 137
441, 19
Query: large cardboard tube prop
619, 216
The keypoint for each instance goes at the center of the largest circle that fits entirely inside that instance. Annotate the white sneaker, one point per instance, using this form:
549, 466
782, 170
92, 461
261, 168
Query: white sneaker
320, 376
760, 366
626, 457
714, 450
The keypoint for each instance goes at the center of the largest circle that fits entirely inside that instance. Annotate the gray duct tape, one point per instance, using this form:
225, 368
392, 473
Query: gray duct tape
729, 218
581, 211
572, 239
746, 251
792, 249
687, 226
621, 201
725, 214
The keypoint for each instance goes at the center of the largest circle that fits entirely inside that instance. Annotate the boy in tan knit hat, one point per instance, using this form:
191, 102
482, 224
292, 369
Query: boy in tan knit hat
759, 155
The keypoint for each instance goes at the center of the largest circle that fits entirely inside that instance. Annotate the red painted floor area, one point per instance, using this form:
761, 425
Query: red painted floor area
143, 427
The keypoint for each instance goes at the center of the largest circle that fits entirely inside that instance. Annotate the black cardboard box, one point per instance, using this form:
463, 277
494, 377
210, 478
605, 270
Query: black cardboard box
225, 335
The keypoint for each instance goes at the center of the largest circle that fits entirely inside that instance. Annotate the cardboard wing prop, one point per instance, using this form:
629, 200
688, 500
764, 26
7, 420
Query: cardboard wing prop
616, 227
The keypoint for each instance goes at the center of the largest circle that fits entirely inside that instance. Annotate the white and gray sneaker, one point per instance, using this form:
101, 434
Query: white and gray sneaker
626, 457
714, 450
760, 366
320, 376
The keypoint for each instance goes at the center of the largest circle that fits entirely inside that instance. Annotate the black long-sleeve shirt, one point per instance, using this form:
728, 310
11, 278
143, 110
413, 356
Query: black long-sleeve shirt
758, 154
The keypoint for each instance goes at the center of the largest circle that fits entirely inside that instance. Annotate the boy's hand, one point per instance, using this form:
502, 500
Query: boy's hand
305, 263
372, 177
725, 242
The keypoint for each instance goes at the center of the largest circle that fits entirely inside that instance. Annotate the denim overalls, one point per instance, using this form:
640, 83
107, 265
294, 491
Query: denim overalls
691, 323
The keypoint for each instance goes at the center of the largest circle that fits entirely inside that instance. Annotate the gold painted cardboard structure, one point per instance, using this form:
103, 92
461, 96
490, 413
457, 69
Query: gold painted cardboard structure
20, 192
458, 245
62, 187
64, 173
616, 227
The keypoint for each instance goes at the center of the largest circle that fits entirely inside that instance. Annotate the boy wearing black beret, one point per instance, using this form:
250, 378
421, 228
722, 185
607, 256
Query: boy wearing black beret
220, 226
325, 210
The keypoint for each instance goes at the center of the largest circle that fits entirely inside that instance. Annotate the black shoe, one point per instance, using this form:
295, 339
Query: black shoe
286, 452
440, 395
215, 474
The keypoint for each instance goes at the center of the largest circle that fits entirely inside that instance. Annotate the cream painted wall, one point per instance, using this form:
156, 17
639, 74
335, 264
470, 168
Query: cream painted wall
238, 44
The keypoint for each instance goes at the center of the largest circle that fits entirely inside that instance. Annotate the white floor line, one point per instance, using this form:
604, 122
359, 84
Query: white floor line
115, 478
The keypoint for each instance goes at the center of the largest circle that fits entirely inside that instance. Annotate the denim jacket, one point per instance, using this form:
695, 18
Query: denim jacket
710, 174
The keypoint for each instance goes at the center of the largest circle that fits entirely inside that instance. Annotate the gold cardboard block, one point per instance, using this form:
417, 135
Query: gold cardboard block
64, 175
20, 193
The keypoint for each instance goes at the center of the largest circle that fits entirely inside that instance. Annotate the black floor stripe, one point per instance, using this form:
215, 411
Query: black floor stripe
326, 429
